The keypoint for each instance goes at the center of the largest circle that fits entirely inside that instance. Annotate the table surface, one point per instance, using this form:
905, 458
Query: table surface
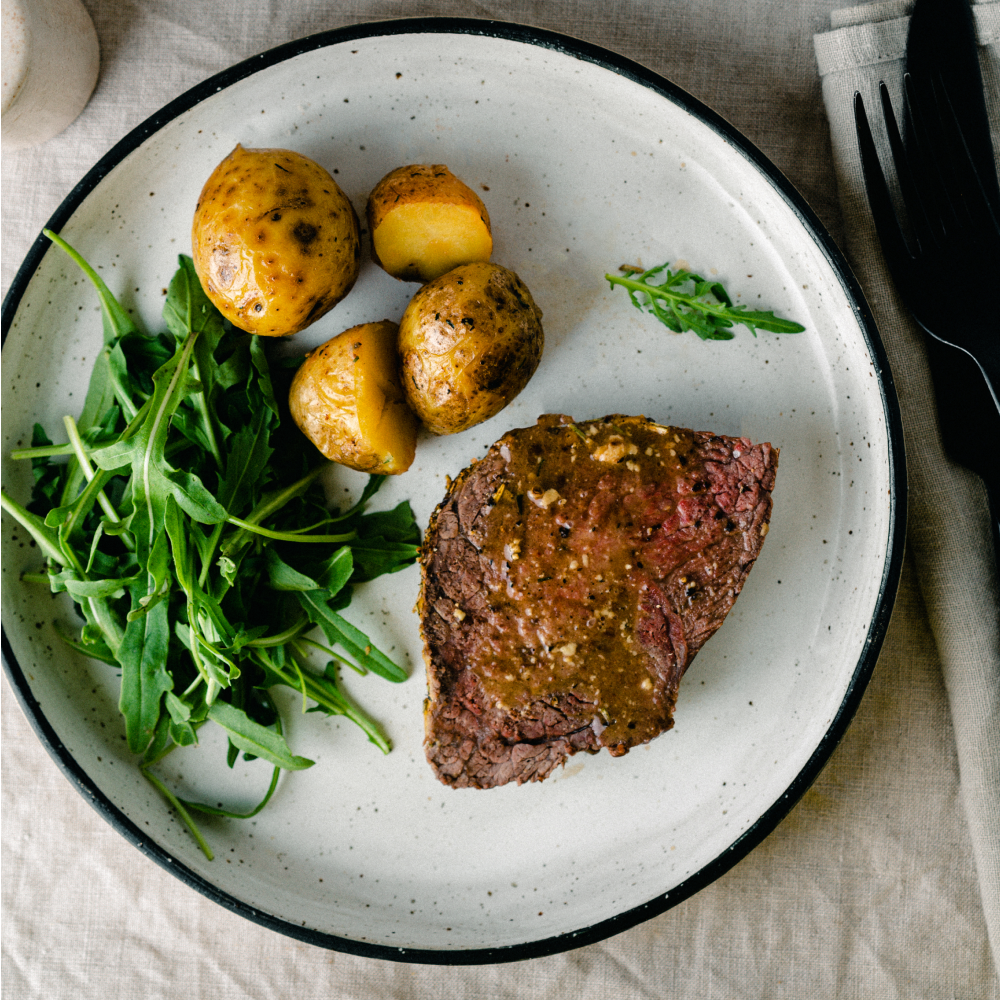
867, 888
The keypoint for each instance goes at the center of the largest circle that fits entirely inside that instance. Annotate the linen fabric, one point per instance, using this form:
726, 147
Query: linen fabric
877, 882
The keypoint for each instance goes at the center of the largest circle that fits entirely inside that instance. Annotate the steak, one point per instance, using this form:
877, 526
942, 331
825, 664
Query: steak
568, 579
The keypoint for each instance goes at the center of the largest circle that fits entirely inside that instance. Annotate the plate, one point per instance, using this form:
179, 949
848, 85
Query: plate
586, 161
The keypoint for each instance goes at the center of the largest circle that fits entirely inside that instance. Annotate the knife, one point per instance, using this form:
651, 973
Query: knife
942, 39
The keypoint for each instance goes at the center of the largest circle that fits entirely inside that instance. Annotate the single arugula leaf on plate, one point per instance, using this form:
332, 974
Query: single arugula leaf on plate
705, 308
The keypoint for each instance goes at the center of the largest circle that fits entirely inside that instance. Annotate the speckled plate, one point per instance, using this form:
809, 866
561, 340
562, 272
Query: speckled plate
585, 161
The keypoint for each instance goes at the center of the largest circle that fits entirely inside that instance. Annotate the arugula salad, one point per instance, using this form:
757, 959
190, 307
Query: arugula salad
186, 519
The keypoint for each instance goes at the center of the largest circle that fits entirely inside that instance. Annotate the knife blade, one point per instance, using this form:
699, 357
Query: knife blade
942, 39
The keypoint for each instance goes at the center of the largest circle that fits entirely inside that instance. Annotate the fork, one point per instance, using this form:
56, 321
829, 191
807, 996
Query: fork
953, 231
953, 228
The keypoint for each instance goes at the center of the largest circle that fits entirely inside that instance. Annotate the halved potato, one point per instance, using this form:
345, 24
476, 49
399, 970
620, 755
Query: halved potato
275, 242
424, 221
347, 399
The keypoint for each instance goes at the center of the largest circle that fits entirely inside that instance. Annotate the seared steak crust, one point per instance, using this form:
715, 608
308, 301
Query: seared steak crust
569, 578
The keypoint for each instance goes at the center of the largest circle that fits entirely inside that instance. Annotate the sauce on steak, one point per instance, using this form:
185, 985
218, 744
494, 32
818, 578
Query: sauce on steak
568, 579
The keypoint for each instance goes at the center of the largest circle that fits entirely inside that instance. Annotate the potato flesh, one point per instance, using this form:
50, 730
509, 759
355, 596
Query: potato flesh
423, 240
347, 399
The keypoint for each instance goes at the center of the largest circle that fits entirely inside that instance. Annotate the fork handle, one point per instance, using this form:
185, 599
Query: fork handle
980, 343
990, 367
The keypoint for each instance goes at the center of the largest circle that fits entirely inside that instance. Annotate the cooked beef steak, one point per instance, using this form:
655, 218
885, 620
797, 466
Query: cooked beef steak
569, 578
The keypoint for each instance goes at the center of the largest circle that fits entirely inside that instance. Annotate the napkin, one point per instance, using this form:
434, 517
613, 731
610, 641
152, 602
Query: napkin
948, 517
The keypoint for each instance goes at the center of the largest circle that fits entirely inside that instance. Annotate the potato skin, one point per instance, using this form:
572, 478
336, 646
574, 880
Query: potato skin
276, 243
431, 184
347, 399
469, 341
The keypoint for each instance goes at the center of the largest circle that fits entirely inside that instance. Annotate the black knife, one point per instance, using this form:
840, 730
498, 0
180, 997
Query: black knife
942, 40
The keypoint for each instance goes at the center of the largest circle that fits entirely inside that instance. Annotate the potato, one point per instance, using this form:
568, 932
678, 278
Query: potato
346, 398
424, 221
468, 342
276, 243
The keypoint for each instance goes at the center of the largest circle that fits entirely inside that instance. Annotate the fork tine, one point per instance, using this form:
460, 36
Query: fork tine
897, 255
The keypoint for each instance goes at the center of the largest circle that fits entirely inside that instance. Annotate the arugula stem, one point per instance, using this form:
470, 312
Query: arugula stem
181, 811
280, 638
213, 811
202, 403
213, 542
57, 450
269, 506
192, 687
45, 538
341, 706
721, 310
289, 536
36, 578
329, 652
102, 498
110, 626
42, 451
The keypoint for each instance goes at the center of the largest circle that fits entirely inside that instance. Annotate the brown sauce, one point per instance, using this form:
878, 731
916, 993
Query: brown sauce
570, 556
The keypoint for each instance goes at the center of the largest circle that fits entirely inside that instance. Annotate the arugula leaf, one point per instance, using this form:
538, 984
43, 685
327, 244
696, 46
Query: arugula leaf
248, 452
339, 631
253, 737
284, 577
707, 309
145, 679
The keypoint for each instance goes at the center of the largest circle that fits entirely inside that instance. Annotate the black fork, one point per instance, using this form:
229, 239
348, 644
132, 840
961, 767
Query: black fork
949, 271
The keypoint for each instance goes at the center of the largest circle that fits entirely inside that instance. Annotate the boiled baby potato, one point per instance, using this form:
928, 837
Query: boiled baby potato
346, 398
468, 344
276, 242
424, 221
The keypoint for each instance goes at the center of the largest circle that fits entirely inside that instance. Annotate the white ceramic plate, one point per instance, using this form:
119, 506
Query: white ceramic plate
585, 161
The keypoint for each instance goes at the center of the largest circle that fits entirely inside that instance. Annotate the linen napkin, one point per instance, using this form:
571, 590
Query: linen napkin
948, 517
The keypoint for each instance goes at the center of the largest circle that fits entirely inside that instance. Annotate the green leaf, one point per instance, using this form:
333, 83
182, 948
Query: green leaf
99, 588
248, 452
45, 537
340, 631
145, 678
336, 571
253, 738
187, 309
178, 533
47, 474
263, 374
707, 309
96, 650
396, 525
375, 556
284, 577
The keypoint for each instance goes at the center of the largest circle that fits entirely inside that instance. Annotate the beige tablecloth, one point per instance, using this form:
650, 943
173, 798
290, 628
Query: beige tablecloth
869, 887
